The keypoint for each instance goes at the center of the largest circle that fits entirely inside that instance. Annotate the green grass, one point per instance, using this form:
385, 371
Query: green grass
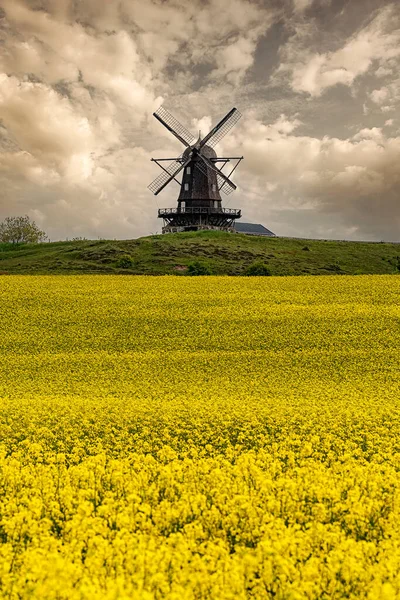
223, 253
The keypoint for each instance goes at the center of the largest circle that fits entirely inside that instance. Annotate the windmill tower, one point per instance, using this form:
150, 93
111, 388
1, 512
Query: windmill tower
199, 202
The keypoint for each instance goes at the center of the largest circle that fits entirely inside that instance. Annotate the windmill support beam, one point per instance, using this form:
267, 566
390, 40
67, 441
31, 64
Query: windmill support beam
235, 166
225, 159
157, 160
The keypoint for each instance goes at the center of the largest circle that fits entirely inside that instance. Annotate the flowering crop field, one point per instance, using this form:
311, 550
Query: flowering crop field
199, 438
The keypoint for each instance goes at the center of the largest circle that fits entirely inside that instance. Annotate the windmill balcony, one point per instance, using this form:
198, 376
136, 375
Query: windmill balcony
208, 210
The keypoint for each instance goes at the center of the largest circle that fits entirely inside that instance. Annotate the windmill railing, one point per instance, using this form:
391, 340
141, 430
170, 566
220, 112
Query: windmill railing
194, 210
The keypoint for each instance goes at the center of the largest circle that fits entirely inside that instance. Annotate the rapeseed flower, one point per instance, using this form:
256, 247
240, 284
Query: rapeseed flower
196, 438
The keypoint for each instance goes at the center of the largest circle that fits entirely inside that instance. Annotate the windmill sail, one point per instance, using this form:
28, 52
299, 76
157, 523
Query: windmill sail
221, 129
227, 189
170, 172
174, 126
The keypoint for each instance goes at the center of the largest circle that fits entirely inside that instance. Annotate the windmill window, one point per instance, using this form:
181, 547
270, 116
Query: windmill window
214, 187
186, 188
188, 170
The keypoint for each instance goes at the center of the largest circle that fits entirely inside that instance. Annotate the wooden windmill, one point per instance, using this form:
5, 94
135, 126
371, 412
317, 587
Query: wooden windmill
199, 203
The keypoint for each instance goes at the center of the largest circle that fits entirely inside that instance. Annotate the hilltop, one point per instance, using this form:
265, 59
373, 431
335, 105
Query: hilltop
224, 253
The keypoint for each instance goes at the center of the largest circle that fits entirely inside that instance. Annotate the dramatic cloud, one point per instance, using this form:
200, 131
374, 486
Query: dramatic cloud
378, 42
353, 180
317, 86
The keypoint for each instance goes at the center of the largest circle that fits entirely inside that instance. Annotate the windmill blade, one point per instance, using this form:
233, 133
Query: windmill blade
163, 179
173, 125
220, 176
222, 187
221, 129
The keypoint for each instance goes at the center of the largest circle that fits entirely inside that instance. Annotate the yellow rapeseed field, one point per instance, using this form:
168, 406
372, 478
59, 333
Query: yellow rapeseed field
199, 438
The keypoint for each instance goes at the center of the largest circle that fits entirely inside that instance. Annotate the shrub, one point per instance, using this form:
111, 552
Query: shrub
198, 268
125, 262
256, 269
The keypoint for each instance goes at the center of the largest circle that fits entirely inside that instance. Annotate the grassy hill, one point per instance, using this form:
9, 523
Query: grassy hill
224, 253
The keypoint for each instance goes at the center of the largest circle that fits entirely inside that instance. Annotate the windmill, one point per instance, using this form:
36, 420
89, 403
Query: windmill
199, 202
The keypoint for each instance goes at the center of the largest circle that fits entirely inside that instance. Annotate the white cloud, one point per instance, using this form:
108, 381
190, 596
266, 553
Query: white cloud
300, 6
61, 51
387, 96
314, 72
379, 96
373, 133
42, 122
202, 125
385, 71
234, 60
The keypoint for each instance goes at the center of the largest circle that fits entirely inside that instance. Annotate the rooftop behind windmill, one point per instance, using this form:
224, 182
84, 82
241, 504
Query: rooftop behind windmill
199, 201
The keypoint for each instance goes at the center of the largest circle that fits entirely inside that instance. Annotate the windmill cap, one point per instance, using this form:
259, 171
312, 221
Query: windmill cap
206, 151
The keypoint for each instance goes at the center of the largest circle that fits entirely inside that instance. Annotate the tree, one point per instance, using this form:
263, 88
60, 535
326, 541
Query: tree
21, 230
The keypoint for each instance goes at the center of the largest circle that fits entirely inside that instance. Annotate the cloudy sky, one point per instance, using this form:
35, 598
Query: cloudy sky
317, 82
